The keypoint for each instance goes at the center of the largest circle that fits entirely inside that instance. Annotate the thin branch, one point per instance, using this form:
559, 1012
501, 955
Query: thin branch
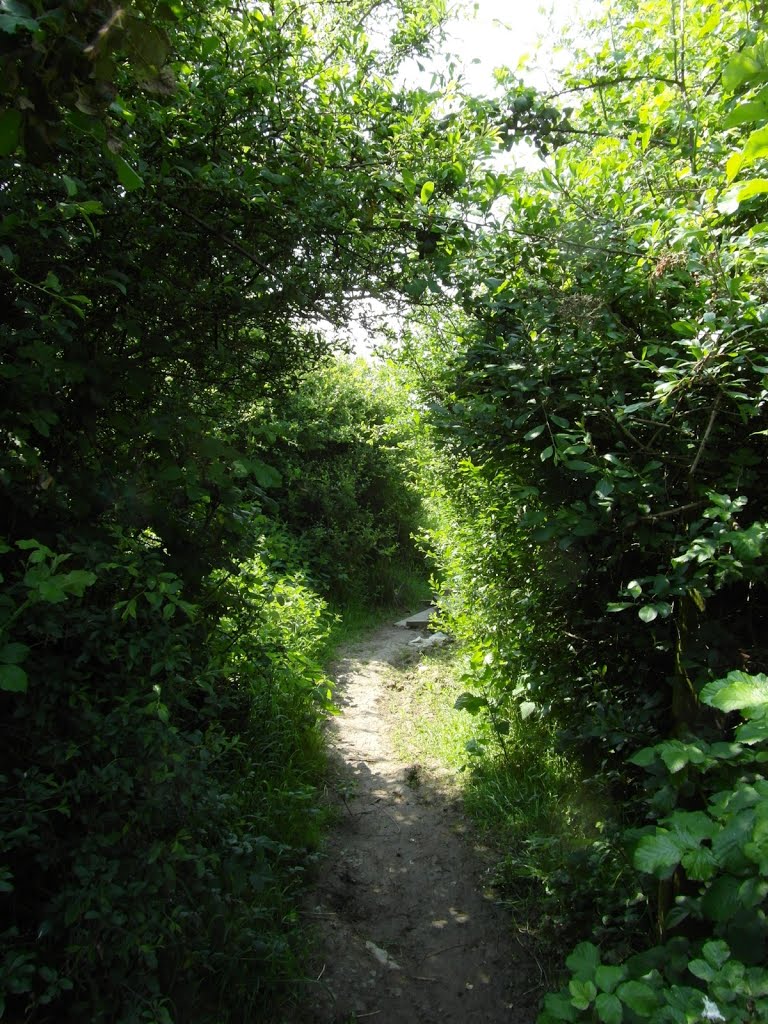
598, 83
227, 240
673, 511
704, 439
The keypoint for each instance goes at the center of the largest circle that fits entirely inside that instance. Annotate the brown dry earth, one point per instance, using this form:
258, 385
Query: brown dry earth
406, 934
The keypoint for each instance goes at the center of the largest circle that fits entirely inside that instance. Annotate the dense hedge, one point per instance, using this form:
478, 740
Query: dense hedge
191, 193
600, 412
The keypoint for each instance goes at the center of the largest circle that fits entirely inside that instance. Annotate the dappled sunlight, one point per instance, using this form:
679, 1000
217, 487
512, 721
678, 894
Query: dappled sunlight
411, 932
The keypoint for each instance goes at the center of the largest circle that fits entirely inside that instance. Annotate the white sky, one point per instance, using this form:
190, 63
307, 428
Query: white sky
505, 33
498, 33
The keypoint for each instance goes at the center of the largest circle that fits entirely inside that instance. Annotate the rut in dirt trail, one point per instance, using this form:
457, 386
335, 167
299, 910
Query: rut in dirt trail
406, 935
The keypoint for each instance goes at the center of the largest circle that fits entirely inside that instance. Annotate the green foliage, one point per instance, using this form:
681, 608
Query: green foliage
664, 985
191, 195
346, 449
599, 410
125, 841
719, 859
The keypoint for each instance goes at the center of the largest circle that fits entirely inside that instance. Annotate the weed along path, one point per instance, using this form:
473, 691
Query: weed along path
406, 934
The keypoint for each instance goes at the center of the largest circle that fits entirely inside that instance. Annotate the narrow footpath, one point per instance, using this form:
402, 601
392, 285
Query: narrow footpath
406, 934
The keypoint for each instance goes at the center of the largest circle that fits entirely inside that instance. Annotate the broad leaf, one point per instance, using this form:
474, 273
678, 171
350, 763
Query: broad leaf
659, 854
638, 997
609, 1008
13, 679
584, 960
126, 175
608, 977
736, 692
10, 131
470, 702
582, 992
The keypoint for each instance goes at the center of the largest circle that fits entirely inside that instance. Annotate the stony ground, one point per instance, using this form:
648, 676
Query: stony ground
406, 933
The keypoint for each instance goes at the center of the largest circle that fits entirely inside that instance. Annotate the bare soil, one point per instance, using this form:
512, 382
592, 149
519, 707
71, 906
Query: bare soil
405, 931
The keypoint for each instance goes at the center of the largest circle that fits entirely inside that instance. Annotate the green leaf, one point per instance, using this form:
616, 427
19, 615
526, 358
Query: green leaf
426, 191
559, 1007
755, 731
10, 131
721, 901
749, 65
638, 997
716, 952
147, 43
693, 827
533, 434
755, 187
584, 960
13, 654
755, 109
644, 758
755, 149
700, 864
676, 755
470, 702
607, 977
701, 969
659, 854
13, 679
648, 613
609, 1008
736, 692
579, 466
126, 175
582, 992
15, 16
266, 476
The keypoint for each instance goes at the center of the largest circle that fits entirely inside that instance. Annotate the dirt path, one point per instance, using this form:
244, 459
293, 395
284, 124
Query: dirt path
407, 937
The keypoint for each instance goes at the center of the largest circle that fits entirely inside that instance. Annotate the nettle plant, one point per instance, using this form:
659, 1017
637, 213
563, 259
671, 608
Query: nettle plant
711, 868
